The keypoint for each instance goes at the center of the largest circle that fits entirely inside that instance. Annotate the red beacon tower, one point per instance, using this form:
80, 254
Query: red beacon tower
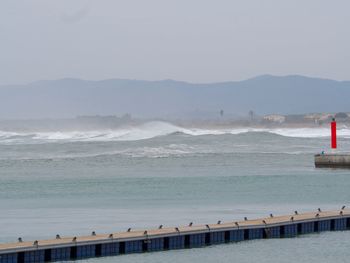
333, 134
333, 159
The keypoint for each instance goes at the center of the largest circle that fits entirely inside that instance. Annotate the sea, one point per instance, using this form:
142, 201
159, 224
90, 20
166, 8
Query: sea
74, 182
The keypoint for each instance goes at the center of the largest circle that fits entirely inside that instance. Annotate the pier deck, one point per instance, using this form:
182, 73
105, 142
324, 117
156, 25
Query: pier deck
71, 248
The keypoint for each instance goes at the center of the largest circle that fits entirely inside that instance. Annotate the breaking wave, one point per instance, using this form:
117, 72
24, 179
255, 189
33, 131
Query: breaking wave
152, 130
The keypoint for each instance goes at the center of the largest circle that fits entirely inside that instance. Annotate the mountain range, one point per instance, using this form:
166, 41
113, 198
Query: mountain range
267, 94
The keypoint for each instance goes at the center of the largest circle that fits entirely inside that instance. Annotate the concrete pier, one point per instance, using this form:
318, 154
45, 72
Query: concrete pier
332, 160
75, 248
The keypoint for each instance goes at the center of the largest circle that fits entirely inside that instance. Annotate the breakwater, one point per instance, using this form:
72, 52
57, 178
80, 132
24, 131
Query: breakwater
191, 236
332, 160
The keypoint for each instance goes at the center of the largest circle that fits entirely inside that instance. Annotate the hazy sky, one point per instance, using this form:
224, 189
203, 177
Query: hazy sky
191, 40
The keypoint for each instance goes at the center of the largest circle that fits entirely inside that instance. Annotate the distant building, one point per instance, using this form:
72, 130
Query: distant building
320, 118
274, 118
341, 115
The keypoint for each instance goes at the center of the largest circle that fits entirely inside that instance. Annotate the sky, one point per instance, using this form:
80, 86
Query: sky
189, 40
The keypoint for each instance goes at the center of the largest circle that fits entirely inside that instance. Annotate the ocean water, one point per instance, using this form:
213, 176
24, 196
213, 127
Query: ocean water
72, 183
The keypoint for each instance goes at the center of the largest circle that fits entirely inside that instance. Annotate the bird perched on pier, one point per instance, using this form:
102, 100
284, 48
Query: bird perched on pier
319, 210
58, 236
343, 207
129, 229
160, 227
219, 222
190, 224
295, 212
245, 218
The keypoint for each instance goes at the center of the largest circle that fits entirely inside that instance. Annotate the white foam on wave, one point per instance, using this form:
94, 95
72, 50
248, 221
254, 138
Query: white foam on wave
309, 132
155, 129
160, 151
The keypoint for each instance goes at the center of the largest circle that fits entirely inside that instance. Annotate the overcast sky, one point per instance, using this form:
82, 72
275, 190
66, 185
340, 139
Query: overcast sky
191, 40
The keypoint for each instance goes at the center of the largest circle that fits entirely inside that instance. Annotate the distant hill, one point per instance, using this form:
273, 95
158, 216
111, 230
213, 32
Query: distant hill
167, 98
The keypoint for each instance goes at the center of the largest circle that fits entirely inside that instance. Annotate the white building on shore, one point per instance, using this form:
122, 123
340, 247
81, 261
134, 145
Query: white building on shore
274, 118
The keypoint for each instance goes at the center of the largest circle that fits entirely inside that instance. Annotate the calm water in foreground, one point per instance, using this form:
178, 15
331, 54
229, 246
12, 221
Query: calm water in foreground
69, 184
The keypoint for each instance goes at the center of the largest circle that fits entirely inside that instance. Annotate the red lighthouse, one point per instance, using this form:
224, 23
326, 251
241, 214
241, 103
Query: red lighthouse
334, 134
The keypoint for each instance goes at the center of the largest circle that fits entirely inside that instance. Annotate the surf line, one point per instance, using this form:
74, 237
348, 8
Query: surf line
160, 239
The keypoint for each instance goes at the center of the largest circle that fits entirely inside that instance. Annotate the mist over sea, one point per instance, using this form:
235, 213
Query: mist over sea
107, 180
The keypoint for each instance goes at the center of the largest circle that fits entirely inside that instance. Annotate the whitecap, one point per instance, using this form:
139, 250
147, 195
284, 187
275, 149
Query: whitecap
155, 129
